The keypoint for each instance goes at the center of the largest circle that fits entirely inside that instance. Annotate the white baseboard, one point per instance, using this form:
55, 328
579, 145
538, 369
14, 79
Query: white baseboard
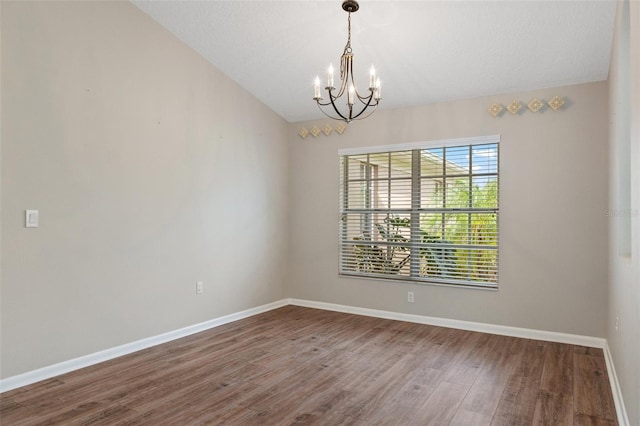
550, 336
85, 361
621, 411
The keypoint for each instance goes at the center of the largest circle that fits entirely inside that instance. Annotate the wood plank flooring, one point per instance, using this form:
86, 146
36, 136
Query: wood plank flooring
300, 366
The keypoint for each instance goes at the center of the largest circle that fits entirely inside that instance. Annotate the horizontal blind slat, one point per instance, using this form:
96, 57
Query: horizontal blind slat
453, 194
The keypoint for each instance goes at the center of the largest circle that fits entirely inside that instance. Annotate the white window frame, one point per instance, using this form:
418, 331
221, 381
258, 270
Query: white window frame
414, 211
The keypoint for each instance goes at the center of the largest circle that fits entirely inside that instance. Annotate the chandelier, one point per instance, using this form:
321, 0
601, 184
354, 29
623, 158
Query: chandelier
356, 104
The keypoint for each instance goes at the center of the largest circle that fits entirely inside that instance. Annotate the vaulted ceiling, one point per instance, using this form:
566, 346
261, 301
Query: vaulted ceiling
423, 51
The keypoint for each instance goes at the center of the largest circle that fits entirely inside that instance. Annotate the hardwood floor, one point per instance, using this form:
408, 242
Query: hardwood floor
299, 366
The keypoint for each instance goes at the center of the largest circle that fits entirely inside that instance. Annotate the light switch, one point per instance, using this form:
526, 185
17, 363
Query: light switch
31, 218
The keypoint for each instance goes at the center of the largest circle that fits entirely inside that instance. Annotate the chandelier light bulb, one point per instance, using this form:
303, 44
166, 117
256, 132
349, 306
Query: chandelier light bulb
330, 76
372, 77
352, 93
316, 91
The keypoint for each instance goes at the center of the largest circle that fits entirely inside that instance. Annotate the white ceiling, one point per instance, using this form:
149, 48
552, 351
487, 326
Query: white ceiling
423, 51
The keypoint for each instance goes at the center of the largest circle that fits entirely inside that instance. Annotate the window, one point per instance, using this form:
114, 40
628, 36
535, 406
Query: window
421, 212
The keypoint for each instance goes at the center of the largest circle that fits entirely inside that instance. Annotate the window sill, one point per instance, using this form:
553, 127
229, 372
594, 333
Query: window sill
403, 280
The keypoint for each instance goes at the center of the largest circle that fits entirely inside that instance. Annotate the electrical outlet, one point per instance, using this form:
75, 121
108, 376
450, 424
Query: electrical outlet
410, 297
617, 326
199, 287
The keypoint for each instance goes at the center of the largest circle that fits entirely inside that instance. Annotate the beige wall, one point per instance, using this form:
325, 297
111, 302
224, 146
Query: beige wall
553, 197
624, 258
151, 170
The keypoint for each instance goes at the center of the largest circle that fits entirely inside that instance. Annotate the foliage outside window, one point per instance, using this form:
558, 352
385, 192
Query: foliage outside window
422, 213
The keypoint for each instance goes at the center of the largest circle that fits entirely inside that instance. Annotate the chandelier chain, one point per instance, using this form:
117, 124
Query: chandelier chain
348, 46
347, 51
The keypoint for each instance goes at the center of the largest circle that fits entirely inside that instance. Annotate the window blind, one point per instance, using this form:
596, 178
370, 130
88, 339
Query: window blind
426, 213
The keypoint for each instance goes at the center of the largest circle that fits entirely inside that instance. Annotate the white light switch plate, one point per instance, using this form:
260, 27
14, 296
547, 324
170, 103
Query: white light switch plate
31, 218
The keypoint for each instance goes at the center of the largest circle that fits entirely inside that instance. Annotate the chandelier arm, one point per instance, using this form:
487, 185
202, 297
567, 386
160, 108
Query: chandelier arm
365, 99
357, 117
362, 99
341, 117
365, 108
335, 108
331, 100
343, 86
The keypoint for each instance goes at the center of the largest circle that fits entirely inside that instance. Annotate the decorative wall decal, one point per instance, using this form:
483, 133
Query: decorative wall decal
556, 103
535, 105
495, 110
326, 129
514, 107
